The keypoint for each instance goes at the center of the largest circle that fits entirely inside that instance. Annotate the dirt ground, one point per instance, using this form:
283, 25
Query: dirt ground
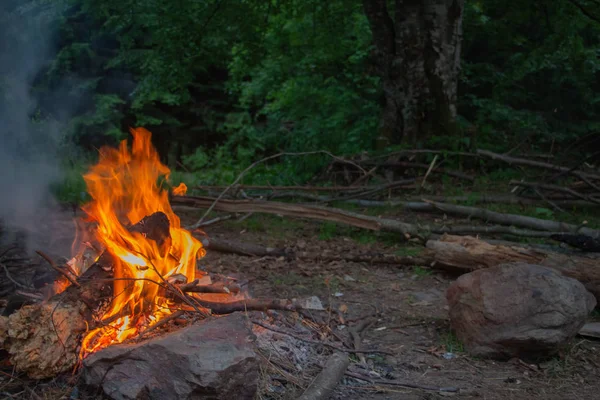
408, 309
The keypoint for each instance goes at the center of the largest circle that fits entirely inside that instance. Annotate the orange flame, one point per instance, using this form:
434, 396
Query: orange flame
125, 187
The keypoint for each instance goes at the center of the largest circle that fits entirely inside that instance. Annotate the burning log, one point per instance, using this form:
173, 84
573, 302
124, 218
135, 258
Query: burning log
43, 338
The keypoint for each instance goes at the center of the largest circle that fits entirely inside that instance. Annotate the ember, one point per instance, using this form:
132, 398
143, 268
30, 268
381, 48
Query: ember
126, 190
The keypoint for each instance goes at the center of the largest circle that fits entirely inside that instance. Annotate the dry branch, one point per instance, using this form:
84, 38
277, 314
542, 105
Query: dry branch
297, 187
556, 188
300, 211
397, 202
537, 164
333, 371
254, 164
545, 228
466, 254
441, 171
219, 287
246, 305
515, 220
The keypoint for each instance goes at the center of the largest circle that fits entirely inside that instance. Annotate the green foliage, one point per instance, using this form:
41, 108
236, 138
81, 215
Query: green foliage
71, 188
421, 272
310, 90
327, 231
223, 84
451, 343
529, 72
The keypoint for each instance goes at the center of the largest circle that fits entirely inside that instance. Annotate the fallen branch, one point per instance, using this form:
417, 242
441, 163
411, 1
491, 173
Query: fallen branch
254, 164
397, 202
441, 171
513, 219
391, 225
247, 305
556, 188
537, 164
300, 211
324, 384
465, 254
297, 187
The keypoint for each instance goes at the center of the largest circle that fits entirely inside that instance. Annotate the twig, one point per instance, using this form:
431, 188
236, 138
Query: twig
248, 305
11, 279
214, 221
162, 322
6, 251
294, 187
441, 171
552, 204
58, 269
556, 188
387, 186
536, 164
402, 384
319, 343
355, 332
220, 287
513, 219
428, 171
254, 164
324, 384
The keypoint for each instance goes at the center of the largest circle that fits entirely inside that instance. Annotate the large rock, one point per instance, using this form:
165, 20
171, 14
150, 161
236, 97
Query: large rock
517, 310
214, 359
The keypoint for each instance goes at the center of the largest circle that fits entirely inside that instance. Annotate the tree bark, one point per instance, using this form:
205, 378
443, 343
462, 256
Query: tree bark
418, 54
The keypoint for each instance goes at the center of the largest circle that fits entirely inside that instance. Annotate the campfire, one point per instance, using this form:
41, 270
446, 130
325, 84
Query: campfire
135, 225
134, 269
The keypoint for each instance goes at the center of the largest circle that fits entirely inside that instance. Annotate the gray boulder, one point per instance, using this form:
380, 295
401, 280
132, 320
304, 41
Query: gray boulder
517, 310
214, 359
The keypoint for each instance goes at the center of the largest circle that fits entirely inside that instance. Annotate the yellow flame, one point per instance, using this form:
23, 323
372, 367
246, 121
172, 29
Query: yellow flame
124, 186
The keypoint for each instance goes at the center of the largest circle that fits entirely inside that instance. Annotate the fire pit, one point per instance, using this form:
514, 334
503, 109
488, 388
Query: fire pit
132, 296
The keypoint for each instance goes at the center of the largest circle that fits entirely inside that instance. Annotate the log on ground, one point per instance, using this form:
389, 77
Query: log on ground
466, 253
43, 339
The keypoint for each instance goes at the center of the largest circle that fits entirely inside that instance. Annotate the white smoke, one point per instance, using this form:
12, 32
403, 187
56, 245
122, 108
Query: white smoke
29, 162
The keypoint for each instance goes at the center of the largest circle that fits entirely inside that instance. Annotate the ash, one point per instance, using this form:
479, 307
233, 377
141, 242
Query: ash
289, 364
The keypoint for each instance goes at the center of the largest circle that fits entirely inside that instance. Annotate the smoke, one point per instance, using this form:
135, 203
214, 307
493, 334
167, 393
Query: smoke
29, 162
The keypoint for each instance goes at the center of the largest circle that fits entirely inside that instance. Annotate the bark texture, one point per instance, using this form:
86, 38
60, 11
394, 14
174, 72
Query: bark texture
418, 45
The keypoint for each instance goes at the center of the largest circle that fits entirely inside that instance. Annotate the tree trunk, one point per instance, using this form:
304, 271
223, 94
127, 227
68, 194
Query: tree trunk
418, 53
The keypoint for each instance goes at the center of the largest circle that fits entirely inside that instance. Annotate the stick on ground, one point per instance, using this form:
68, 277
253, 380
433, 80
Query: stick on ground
322, 387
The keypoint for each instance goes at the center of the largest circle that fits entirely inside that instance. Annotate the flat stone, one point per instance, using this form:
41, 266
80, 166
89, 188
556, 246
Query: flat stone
311, 303
591, 329
213, 359
517, 310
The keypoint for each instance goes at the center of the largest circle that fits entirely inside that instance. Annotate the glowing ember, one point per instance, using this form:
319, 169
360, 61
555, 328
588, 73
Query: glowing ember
125, 188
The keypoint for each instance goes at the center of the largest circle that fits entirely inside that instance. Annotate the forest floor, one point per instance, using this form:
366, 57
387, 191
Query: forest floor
411, 310
407, 304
